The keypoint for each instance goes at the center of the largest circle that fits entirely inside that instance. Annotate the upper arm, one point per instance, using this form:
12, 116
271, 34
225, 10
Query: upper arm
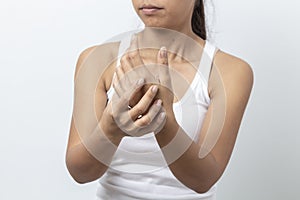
89, 91
230, 86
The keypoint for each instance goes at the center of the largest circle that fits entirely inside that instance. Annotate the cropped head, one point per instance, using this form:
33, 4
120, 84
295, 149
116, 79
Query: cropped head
179, 15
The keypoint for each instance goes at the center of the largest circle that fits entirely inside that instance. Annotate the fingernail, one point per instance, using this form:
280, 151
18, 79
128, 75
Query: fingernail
140, 81
163, 52
158, 102
162, 115
154, 89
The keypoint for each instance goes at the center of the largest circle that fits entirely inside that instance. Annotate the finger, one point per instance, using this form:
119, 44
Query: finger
158, 122
116, 85
134, 52
162, 57
126, 64
136, 93
132, 62
136, 97
122, 103
135, 57
119, 82
124, 78
117, 89
133, 44
137, 64
119, 72
143, 105
151, 114
164, 72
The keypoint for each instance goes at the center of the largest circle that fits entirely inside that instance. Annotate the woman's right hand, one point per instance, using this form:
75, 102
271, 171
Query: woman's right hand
133, 111
118, 120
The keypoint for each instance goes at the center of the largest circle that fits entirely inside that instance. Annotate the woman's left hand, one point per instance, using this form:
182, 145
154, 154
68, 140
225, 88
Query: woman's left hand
157, 73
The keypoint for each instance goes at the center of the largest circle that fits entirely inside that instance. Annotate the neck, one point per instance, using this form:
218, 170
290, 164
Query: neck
183, 43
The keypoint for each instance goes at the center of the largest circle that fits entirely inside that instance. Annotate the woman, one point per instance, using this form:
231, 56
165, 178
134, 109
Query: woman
151, 139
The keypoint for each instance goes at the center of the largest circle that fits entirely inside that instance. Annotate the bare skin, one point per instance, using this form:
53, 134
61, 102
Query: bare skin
197, 174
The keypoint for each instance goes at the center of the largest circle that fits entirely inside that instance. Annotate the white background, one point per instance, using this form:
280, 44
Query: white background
41, 41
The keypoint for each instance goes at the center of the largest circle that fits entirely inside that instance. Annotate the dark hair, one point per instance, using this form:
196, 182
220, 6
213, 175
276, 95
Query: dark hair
198, 20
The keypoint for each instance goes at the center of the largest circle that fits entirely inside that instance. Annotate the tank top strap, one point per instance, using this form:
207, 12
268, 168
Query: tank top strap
206, 62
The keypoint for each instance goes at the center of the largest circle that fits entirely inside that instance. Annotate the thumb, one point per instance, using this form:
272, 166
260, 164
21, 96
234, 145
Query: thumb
162, 57
163, 65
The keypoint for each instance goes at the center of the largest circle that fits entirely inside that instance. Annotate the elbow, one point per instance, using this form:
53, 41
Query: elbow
76, 171
203, 188
208, 182
78, 179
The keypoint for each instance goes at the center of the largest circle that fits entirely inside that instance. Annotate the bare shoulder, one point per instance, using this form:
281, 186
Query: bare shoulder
235, 72
103, 57
233, 65
101, 52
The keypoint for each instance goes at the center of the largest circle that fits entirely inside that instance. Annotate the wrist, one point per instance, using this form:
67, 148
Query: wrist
169, 130
115, 136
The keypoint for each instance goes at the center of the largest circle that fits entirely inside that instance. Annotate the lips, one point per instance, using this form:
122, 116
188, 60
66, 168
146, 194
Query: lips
149, 6
150, 9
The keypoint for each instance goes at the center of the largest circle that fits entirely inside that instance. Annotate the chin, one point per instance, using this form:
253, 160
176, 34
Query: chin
153, 21
155, 24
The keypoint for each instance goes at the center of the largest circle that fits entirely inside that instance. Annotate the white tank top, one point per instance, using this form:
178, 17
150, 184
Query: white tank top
138, 169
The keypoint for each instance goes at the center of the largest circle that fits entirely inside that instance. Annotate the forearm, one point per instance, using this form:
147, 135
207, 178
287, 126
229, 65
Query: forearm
88, 160
82, 166
181, 153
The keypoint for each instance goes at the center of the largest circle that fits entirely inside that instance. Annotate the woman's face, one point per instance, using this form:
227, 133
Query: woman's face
172, 14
